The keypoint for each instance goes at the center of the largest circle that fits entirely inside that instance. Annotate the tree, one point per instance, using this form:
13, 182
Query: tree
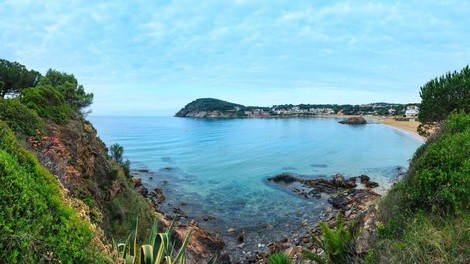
441, 96
68, 86
15, 77
116, 152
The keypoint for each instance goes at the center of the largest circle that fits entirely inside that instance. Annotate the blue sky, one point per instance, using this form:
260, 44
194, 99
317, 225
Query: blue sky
153, 57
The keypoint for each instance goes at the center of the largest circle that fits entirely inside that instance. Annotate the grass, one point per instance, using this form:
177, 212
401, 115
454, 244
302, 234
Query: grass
426, 239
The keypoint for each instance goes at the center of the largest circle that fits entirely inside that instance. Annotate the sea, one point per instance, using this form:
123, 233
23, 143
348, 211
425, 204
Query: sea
214, 170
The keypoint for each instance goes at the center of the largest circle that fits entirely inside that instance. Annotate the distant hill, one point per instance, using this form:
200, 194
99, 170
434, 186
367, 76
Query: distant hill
210, 107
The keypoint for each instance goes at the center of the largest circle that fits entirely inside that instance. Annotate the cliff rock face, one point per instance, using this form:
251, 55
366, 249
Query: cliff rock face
79, 159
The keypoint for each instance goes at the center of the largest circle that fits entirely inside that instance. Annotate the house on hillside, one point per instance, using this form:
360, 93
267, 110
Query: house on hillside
411, 111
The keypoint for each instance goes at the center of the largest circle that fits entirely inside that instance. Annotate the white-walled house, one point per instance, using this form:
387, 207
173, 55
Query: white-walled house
412, 111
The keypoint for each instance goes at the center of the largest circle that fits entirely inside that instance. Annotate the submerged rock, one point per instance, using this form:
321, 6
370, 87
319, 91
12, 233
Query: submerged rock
355, 120
285, 178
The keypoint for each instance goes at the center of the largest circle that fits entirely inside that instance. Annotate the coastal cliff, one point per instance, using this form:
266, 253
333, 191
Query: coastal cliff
63, 198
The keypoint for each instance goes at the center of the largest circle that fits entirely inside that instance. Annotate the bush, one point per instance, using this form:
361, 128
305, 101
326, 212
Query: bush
116, 152
47, 102
337, 243
440, 179
35, 224
19, 118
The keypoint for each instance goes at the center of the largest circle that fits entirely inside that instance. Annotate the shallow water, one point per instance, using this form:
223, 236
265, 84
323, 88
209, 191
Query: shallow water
218, 167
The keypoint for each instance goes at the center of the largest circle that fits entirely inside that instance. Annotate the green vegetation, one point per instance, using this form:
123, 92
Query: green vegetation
208, 105
68, 86
47, 103
236, 110
15, 77
426, 217
35, 224
337, 243
23, 121
116, 152
443, 95
158, 250
279, 258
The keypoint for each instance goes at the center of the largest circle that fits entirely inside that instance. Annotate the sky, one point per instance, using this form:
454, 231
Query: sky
153, 57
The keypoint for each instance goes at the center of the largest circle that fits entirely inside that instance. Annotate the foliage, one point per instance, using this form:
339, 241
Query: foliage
443, 95
15, 77
116, 152
440, 176
116, 212
158, 250
19, 118
426, 238
68, 86
208, 104
426, 216
279, 258
336, 243
47, 103
35, 224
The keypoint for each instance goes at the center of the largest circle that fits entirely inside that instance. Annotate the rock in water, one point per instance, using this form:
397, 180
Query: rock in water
355, 120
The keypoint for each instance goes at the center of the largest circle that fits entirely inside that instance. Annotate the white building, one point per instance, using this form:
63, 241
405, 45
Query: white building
412, 111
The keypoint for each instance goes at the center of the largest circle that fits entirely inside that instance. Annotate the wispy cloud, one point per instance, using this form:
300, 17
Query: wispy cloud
153, 56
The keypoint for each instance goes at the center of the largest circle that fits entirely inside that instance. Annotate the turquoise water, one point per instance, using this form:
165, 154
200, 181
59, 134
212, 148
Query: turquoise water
218, 167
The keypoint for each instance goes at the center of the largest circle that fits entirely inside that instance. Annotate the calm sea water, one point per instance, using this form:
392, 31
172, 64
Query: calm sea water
218, 167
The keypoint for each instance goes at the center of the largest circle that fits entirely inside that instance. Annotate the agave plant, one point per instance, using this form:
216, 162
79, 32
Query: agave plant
158, 249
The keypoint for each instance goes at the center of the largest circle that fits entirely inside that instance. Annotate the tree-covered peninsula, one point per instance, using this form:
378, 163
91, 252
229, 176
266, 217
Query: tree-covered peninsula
215, 108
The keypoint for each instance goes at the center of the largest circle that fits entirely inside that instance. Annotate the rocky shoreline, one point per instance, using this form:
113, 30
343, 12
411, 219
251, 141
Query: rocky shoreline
343, 195
202, 246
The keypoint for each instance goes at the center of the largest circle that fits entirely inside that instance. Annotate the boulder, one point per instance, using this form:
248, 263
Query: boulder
355, 120
339, 181
364, 179
372, 184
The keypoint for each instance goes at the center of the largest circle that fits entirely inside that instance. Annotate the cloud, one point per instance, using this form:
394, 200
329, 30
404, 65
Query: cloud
170, 51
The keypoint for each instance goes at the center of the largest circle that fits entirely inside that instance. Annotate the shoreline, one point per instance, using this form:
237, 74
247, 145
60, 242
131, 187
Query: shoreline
408, 127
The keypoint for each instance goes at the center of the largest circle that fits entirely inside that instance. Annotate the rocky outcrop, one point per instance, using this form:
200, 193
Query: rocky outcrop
355, 120
356, 205
208, 114
202, 245
313, 188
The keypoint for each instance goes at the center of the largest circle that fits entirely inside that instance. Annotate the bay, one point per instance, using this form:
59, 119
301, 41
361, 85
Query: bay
218, 167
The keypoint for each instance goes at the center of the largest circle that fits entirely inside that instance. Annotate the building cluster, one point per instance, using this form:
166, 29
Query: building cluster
288, 111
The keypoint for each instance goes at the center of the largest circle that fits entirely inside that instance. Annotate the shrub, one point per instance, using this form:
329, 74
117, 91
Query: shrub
279, 258
440, 179
47, 102
116, 152
337, 243
19, 118
35, 224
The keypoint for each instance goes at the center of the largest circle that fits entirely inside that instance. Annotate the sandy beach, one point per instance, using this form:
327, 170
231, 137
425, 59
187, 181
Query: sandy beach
406, 126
